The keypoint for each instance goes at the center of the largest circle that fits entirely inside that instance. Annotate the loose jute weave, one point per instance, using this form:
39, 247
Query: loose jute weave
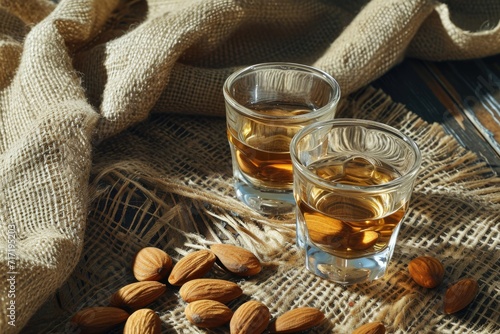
112, 138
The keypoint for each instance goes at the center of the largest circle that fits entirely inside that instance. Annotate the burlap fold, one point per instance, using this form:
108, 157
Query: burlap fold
89, 173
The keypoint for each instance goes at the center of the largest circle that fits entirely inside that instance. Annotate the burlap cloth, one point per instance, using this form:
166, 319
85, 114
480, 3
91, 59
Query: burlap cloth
108, 144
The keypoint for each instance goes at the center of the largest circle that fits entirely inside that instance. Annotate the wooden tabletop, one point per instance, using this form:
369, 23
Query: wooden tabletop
463, 96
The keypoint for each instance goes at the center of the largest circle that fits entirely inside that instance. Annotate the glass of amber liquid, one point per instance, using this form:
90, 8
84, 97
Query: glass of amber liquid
266, 104
352, 183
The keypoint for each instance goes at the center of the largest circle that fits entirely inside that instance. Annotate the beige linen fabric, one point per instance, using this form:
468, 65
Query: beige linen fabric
108, 144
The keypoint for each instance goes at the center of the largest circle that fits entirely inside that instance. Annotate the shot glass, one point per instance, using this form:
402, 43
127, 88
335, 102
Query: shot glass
352, 183
266, 104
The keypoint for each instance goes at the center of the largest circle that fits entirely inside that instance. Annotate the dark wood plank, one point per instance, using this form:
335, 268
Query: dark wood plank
475, 90
463, 96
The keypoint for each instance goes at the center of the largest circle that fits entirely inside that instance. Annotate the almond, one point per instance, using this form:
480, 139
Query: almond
99, 319
251, 317
194, 265
326, 230
137, 295
426, 271
143, 321
460, 294
151, 264
237, 260
370, 328
362, 240
297, 320
208, 313
210, 288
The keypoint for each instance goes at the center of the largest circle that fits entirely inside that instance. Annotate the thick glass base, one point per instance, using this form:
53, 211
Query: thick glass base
345, 271
263, 201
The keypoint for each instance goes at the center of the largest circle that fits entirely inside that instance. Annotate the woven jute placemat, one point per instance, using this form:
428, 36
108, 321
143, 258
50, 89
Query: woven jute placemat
173, 189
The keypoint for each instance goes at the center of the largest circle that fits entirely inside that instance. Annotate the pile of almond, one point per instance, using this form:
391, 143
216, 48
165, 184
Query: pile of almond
207, 298
428, 272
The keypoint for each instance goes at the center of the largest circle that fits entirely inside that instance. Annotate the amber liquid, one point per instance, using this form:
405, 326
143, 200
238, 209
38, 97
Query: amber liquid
350, 225
262, 152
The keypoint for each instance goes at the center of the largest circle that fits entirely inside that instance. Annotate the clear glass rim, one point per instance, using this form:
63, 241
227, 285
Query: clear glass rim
285, 66
343, 122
